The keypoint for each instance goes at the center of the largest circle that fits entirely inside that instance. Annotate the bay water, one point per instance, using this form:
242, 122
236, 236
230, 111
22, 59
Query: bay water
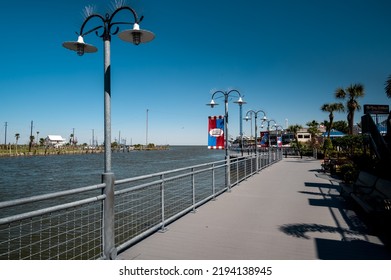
28, 176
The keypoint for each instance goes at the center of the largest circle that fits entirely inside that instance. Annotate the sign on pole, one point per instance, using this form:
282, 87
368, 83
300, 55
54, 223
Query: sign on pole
216, 132
264, 139
279, 141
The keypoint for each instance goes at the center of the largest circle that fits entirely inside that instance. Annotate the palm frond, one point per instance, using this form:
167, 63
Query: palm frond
388, 87
340, 93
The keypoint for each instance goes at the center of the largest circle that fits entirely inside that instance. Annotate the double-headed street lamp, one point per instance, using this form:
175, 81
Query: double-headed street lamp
282, 129
268, 128
247, 118
268, 133
136, 36
255, 113
212, 103
109, 27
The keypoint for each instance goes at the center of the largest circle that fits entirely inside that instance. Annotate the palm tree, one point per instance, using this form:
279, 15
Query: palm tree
331, 108
341, 126
71, 139
313, 128
388, 87
17, 136
295, 129
351, 93
31, 142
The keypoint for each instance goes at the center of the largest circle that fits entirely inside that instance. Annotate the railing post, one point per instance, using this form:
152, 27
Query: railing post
237, 170
213, 182
261, 160
245, 167
228, 173
268, 156
109, 250
163, 229
193, 187
251, 164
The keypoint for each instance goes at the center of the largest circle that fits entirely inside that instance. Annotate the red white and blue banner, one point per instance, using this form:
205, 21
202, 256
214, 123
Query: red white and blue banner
216, 132
279, 141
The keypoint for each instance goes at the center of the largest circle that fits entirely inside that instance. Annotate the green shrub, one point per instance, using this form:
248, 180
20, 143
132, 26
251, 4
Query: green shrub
348, 173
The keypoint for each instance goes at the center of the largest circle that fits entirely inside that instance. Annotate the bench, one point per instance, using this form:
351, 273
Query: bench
365, 182
372, 193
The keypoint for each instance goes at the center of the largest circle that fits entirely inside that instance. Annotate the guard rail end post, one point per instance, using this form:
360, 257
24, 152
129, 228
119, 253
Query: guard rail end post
109, 249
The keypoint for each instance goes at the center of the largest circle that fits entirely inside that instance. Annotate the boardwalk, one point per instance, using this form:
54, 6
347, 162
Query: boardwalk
287, 211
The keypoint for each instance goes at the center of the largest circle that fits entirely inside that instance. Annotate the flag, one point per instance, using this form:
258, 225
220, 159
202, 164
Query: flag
216, 132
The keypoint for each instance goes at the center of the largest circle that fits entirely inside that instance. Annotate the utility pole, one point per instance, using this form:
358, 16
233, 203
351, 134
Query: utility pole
146, 133
31, 136
5, 134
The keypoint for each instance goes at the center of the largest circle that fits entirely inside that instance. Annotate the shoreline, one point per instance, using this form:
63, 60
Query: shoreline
76, 151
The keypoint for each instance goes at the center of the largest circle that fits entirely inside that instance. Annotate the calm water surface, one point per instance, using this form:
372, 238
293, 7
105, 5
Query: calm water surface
28, 176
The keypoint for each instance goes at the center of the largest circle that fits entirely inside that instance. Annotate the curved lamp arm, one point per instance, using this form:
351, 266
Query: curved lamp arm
255, 113
226, 94
135, 36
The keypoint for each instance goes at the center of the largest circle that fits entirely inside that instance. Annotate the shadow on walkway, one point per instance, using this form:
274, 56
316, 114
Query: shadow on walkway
354, 243
355, 249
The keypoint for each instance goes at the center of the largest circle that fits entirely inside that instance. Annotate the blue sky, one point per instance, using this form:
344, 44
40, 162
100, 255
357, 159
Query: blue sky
286, 58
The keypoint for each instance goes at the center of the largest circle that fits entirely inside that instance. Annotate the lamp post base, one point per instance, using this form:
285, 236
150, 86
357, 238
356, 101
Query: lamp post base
109, 250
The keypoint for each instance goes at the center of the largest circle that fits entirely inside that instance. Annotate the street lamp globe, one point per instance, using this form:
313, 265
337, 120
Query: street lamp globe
136, 35
240, 101
80, 47
212, 103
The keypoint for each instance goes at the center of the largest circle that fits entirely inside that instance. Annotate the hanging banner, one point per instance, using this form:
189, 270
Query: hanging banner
279, 141
215, 132
264, 139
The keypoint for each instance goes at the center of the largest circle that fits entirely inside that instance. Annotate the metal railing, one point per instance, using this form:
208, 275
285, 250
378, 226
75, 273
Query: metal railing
70, 224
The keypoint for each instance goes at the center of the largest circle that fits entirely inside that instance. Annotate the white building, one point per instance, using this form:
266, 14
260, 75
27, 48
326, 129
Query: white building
303, 135
54, 140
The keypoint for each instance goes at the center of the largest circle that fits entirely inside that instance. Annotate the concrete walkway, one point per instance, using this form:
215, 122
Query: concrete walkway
287, 211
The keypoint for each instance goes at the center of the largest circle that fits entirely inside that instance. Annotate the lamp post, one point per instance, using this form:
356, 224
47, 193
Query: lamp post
278, 126
268, 132
136, 36
240, 102
255, 113
268, 127
282, 129
212, 103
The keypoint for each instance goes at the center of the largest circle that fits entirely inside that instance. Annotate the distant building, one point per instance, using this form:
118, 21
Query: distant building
55, 141
303, 135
